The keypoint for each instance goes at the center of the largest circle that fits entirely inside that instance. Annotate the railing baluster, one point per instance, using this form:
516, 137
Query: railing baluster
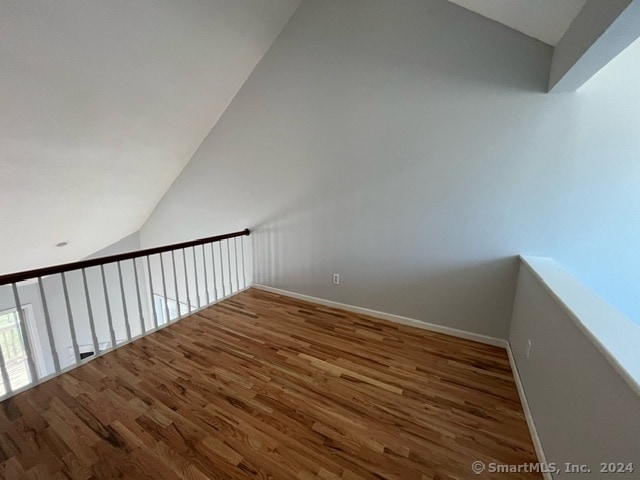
47, 322
19, 347
186, 279
143, 330
213, 267
112, 332
244, 273
153, 303
164, 290
72, 328
195, 274
124, 304
3, 368
224, 292
175, 280
229, 263
235, 254
94, 337
206, 280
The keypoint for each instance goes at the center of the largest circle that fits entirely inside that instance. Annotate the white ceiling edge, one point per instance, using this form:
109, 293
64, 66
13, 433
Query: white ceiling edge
103, 104
545, 20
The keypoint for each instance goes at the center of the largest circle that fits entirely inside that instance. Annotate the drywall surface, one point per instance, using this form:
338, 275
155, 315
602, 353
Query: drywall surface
130, 243
585, 413
600, 32
546, 20
409, 146
103, 103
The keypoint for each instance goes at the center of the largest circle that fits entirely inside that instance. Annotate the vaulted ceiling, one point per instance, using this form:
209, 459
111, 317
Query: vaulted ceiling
546, 20
103, 103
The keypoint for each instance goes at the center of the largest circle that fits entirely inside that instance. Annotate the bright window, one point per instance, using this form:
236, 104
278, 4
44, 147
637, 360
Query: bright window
14, 350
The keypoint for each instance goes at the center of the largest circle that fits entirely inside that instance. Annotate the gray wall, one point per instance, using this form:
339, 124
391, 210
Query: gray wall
584, 411
410, 147
130, 243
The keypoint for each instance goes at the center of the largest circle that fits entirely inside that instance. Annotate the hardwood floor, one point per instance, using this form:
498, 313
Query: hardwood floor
266, 386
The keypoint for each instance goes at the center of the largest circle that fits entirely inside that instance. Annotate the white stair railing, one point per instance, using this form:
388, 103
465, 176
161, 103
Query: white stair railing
56, 318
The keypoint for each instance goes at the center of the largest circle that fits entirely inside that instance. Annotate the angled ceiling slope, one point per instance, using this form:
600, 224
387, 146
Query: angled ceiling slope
103, 103
546, 20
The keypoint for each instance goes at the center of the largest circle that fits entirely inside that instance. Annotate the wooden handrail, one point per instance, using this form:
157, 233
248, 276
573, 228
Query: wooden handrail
67, 267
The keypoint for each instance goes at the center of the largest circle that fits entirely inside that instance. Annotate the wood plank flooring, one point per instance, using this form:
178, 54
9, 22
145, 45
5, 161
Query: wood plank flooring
265, 386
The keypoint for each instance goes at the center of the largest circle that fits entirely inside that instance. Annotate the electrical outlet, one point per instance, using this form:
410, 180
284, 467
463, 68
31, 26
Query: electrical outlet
529, 345
336, 279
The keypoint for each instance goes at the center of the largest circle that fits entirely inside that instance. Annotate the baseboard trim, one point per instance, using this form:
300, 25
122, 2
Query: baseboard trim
476, 337
537, 444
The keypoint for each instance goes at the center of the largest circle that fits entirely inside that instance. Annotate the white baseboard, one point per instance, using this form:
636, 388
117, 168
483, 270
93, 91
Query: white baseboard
497, 342
537, 444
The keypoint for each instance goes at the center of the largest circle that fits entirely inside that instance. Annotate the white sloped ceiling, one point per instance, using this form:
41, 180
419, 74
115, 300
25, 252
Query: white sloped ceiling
546, 20
102, 103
